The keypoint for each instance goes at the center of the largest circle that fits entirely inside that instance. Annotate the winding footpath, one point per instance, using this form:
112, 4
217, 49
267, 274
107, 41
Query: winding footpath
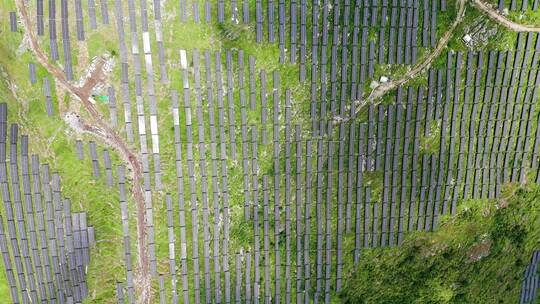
382, 89
502, 20
103, 130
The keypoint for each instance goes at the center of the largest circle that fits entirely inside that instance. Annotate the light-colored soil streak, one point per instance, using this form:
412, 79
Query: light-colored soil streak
502, 20
99, 127
384, 88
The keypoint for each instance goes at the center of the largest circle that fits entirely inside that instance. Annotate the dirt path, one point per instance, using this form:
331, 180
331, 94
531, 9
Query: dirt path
99, 127
382, 89
502, 20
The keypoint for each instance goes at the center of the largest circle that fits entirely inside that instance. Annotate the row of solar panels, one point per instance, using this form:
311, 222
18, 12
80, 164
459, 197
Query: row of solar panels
400, 21
485, 169
46, 246
276, 139
96, 171
371, 222
514, 5
424, 220
531, 281
47, 92
91, 7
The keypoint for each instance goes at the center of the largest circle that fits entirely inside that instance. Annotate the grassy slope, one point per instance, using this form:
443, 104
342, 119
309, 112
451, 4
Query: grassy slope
441, 267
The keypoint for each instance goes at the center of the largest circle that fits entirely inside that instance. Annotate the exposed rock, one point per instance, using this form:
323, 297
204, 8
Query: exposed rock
479, 250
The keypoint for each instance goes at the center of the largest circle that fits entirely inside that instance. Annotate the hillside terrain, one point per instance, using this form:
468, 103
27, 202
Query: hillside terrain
269, 151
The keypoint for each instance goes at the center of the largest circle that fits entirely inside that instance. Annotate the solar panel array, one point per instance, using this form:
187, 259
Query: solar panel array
312, 198
418, 184
476, 153
531, 281
46, 246
403, 26
518, 5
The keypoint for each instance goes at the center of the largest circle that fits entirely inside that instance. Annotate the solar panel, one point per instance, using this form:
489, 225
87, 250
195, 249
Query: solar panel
417, 126
339, 228
354, 51
375, 227
264, 110
281, 30
521, 117
344, 73
13, 21
307, 221
271, 20
105, 11
125, 228
234, 10
528, 136
41, 224
371, 67
401, 32
230, 99
513, 5
363, 54
303, 38
39, 18
298, 212
370, 138
92, 14
238, 281
78, 19
387, 173
52, 31
392, 36
112, 106
28, 206
10, 221
258, 20
247, 258
255, 186
350, 176
382, 32
120, 293
328, 218
94, 157
108, 170
319, 220
359, 189
395, 161
66, 45
374, 12
510, 111
22, 253
426, 16
452, 138
287, 196
277, 231
536, 148
408, 33
420, 215
378, 148
414, 37
463, 126
433, 23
